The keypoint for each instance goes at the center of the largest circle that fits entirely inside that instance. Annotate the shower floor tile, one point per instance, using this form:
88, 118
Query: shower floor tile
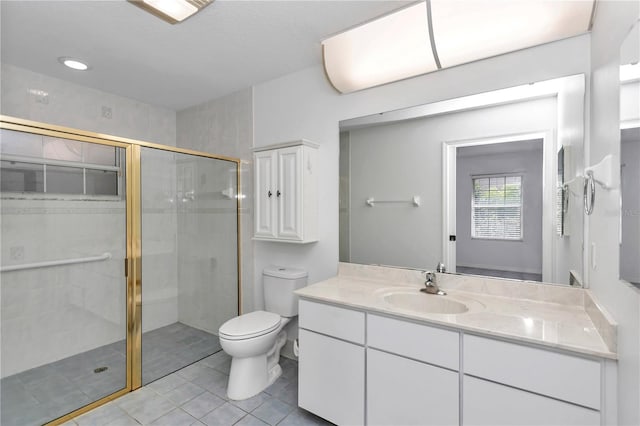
44, 393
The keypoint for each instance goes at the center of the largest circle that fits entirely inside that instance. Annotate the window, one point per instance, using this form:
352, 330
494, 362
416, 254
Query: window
35, 164
496, 207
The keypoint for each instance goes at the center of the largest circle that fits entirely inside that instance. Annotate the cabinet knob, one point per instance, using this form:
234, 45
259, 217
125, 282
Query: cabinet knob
269, 194
278, 193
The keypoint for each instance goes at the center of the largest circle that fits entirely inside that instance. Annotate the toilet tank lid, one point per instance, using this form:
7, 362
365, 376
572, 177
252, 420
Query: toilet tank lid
284, 272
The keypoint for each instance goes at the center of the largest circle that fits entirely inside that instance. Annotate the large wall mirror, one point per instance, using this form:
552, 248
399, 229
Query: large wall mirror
630, 157
489, 184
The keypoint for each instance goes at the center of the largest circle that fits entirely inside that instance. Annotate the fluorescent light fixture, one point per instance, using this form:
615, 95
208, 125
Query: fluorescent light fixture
465, 31
390, 48
73, 63
436, 34
172, 11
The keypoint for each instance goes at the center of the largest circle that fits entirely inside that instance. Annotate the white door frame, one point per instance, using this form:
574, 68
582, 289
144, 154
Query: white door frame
549, 163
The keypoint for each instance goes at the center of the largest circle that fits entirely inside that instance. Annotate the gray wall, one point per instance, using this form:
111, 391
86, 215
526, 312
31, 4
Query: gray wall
398, 161
520, 256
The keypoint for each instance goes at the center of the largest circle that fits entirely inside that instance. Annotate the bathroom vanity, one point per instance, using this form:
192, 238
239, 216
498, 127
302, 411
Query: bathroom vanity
375, 350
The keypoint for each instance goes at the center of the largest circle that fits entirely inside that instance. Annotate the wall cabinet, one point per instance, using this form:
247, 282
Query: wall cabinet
358, 368
285, 201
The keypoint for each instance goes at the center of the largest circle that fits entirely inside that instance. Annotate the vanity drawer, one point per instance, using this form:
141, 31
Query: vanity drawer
557, 375
421, 342
342, 323
491, 404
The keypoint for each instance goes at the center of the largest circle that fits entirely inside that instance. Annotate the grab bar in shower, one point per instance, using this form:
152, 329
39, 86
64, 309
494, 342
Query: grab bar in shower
103, 256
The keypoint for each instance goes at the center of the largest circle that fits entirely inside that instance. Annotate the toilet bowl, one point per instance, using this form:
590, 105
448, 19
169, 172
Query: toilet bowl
254, 340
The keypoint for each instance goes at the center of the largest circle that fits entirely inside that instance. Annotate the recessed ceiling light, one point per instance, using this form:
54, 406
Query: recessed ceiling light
172, 11
73, 64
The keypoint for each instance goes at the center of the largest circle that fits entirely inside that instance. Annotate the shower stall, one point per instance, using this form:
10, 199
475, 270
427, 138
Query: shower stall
119, 262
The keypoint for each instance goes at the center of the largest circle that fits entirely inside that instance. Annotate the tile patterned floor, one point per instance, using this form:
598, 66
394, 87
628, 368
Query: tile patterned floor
196, 395
44, 393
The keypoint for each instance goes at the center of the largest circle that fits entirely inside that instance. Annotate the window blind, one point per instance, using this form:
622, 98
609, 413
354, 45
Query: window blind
497, 207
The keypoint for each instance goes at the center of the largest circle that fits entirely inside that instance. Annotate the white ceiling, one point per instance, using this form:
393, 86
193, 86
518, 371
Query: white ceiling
228, 46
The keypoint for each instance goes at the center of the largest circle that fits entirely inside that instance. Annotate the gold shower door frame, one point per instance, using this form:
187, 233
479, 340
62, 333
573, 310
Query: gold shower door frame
133, 261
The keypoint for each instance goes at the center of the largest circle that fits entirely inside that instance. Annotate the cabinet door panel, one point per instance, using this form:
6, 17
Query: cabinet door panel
561, 376
401, 391
331, 378
265, 204
290, 192
488, 403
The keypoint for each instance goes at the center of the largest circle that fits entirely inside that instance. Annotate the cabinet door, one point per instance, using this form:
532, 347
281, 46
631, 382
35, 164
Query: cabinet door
289, 193
401, 391
331, 378
265, 195
488, 403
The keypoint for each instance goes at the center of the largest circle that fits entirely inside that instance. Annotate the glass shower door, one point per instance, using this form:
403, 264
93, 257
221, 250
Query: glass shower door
63, 286
189, 257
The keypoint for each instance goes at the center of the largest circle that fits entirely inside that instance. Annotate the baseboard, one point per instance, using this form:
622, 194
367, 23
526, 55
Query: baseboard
287, 351
502, 268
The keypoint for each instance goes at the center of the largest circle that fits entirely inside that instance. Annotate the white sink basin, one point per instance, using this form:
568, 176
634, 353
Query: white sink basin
416, 301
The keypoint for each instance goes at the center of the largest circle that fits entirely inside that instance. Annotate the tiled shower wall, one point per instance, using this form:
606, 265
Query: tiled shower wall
159, 239
51, 313
207, 251
225, 126
222, 126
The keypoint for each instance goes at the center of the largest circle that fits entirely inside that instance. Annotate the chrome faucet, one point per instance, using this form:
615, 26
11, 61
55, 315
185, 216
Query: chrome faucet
430, 285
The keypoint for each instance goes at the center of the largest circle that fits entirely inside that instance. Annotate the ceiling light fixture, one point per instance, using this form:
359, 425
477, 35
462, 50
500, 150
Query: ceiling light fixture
172, 11
436, 34
390, 48
73, 64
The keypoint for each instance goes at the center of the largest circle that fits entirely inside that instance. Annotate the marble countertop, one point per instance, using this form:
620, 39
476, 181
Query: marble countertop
547, 315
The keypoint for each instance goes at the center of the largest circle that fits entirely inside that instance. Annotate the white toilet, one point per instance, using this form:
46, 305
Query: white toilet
254, 340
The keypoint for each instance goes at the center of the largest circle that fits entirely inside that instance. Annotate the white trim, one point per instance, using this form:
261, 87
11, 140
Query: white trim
289, 144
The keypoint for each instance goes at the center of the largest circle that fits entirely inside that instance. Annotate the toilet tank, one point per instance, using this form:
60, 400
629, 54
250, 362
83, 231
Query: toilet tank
279, 285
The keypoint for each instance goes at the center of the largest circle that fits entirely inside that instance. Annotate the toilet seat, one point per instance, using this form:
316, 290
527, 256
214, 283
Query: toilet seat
249, 325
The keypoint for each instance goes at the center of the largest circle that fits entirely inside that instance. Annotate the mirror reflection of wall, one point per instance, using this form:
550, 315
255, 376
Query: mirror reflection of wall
630, 191
398, 182
499, 210
630, 157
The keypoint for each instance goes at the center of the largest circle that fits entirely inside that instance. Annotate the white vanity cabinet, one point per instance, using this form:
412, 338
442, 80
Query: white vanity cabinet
285, 201
357, 367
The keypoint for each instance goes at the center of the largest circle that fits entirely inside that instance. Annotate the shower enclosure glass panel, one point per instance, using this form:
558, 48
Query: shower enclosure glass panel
63, 287
189, 257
